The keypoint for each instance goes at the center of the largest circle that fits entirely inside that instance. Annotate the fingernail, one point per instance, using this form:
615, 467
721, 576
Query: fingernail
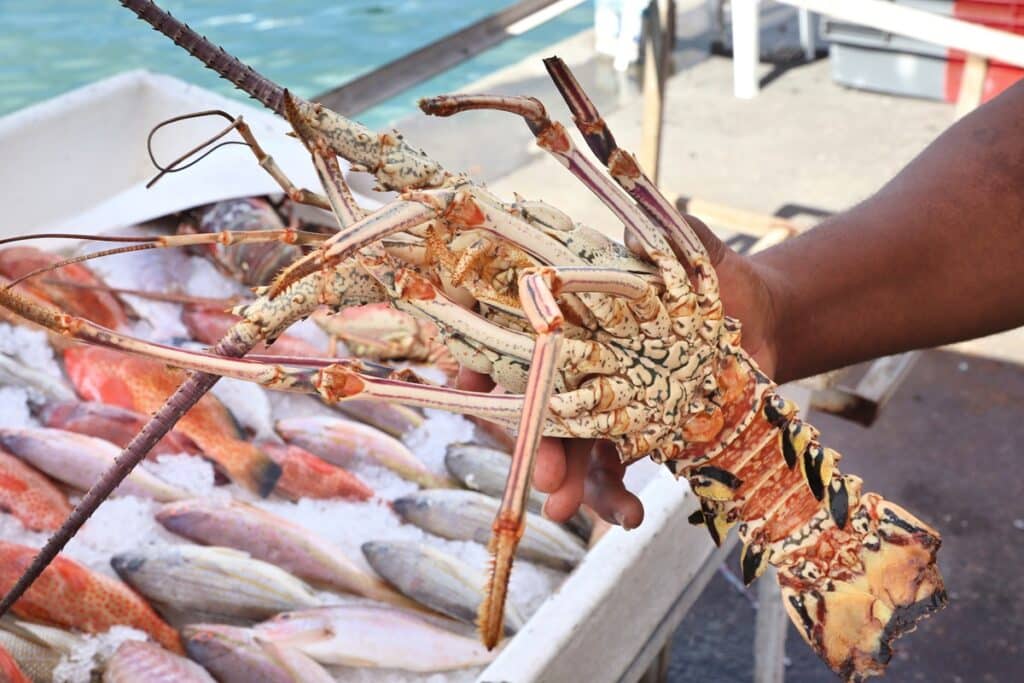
620, 519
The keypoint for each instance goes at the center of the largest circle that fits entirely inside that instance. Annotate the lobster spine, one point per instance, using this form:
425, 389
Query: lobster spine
243, 76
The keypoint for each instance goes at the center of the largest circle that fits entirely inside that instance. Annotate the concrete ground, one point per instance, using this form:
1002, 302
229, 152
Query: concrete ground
945, 446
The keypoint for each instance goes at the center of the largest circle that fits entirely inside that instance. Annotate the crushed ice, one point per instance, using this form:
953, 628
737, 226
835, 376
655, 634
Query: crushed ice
127, 523
88, 660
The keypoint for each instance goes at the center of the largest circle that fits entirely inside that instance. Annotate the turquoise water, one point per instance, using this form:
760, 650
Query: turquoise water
51, 46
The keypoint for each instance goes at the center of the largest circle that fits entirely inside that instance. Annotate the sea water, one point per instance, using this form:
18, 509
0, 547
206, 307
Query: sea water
48, 47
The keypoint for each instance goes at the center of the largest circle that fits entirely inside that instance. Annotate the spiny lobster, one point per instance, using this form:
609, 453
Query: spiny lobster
592, 338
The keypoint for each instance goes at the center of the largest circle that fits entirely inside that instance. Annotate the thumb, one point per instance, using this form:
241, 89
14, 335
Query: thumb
715, 247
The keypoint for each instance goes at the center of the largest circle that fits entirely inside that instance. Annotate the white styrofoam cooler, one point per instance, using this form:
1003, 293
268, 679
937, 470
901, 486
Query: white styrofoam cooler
78, 163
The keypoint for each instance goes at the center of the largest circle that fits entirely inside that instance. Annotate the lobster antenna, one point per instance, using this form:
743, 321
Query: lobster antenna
174, 166
165, 297
73, 236
243, 76
79, 259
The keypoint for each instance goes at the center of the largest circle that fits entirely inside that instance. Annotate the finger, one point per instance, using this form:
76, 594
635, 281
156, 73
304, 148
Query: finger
549, 471
606, 493
467, 380
715, 247
563, 503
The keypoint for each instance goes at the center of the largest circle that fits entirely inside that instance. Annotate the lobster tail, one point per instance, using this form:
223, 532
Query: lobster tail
856, 571
244, 77
857, 587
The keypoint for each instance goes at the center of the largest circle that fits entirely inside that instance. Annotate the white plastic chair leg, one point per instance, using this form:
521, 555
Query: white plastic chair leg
805, 22
746, 48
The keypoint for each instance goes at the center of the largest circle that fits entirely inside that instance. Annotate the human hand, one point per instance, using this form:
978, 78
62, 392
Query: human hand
578, 471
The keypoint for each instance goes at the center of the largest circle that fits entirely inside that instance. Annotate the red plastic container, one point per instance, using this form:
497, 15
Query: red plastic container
1005, 15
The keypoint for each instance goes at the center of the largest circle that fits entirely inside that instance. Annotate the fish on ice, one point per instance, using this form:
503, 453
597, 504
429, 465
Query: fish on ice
486, 469
468, 516
30, 496
138, 661
112, 423
343, 441
211, 580
40, 385
371, 635
273, 539
235, 655
71, 596
142, 385
304, 475
435, 579
79, 461
57, 287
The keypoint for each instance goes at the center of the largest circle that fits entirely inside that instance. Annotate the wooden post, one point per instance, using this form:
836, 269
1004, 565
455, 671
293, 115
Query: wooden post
770, 631
659, 40
972, 84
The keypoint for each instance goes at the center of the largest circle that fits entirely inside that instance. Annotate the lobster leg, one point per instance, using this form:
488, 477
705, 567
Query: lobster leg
542, 311
553, 138
339, 196
621, 164
267, 163
628, 174
467, 207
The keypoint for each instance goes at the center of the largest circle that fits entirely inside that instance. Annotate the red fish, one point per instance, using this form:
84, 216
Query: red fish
303, 475
68, 595
115, 424
30, 496
10, 672
93, 304
142, 385
208, 325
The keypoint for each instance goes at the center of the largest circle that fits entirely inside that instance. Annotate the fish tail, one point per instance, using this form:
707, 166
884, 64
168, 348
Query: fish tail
244, 463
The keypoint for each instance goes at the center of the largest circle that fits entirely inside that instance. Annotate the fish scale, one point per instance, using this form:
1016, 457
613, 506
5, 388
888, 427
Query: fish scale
143, 385
70, 596
30, 496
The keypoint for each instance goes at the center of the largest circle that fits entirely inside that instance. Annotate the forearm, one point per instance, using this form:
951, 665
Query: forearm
936, 256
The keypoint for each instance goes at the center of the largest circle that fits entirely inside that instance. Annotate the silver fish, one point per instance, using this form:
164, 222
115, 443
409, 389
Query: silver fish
468, 516
79, 461
369, 635
435, 579
392, 418
485, 470
213, 581
234, 655
296, 662
41, 386
274, 539
36, 648
341, 441
137, 661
